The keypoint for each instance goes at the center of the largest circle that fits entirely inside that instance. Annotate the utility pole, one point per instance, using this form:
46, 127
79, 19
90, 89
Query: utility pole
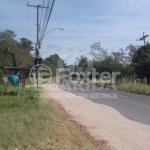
143, 38
37, 60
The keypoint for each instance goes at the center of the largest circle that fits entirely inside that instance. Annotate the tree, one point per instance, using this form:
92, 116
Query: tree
54, 62
23, 52
121, 57
97, 52
122, 62
131, 51
13, 52
7, 41
117, 61
141, 62
26, 44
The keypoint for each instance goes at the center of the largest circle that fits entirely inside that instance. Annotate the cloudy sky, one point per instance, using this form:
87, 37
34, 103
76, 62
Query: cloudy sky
113, 23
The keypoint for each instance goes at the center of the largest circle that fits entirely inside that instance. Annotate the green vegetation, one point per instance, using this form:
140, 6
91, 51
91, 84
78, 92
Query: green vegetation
54, 62
133, 63
30, 123
141, 63
138, 88
15, 53
1, 73
6, 89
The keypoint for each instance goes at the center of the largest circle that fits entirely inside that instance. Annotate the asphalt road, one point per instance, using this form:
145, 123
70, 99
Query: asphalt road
132, 106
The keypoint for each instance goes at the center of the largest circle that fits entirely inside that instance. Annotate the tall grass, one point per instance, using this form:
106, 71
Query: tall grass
138, 88
6, 89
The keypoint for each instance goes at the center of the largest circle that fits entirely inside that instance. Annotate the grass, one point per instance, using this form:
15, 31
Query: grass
101, 84
138, 88
30, 123
29, 82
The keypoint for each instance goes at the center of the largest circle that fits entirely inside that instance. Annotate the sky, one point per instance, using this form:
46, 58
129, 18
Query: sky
113, 23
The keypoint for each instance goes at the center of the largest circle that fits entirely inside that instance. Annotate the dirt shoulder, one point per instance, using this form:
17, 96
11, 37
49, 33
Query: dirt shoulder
102, 122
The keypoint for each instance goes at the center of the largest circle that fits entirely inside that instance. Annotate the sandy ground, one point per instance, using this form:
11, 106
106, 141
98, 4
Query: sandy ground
102, 122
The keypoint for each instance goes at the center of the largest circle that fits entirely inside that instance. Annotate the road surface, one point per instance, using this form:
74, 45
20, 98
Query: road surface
132, 106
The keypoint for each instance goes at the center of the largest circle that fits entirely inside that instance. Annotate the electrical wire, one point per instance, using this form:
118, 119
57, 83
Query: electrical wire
43, 4
95, 38
44, 20
52, 5
48, 11
41, 16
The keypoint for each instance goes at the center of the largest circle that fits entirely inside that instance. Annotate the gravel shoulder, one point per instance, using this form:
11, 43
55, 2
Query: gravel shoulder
102, 122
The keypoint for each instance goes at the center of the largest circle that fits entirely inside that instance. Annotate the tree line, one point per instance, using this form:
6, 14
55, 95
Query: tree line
133, 62
18, 53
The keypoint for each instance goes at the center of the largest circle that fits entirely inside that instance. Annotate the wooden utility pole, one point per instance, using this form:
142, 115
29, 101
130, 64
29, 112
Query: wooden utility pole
143, 38
37, 42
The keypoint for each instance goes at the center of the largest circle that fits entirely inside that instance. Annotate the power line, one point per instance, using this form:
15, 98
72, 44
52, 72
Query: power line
48, 12
44, 20
41, 16
103, 38
52, 5
42, 11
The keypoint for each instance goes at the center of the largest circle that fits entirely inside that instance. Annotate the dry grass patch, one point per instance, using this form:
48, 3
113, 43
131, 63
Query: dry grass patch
78, 136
